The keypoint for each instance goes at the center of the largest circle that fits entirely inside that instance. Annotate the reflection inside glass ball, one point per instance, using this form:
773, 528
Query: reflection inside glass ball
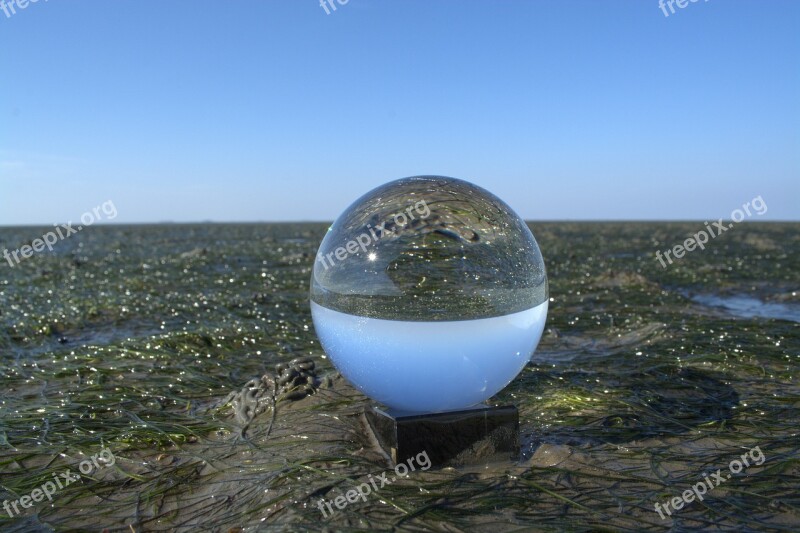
429, 294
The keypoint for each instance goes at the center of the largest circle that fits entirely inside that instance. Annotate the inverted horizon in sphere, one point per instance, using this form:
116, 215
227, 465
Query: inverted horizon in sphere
422, 367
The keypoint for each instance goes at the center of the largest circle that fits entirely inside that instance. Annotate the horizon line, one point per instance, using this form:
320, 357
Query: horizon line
545, 221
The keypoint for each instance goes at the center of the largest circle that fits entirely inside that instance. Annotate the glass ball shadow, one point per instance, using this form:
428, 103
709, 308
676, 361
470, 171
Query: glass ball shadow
429, 294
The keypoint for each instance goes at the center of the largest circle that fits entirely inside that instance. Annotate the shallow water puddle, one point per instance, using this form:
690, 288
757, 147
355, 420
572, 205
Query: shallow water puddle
749, 307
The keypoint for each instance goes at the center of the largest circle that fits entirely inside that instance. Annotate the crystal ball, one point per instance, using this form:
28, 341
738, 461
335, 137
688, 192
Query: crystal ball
429, 294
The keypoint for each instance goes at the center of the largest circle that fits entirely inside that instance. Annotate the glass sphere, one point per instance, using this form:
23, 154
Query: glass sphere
429, 294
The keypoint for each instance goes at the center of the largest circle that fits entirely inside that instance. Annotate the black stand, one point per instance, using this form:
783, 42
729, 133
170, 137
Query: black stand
478, 435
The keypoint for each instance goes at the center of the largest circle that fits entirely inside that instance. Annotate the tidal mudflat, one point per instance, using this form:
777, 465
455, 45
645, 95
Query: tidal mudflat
187, 351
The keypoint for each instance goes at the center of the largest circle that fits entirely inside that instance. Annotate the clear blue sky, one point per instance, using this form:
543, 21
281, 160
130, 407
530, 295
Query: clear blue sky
274, 110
